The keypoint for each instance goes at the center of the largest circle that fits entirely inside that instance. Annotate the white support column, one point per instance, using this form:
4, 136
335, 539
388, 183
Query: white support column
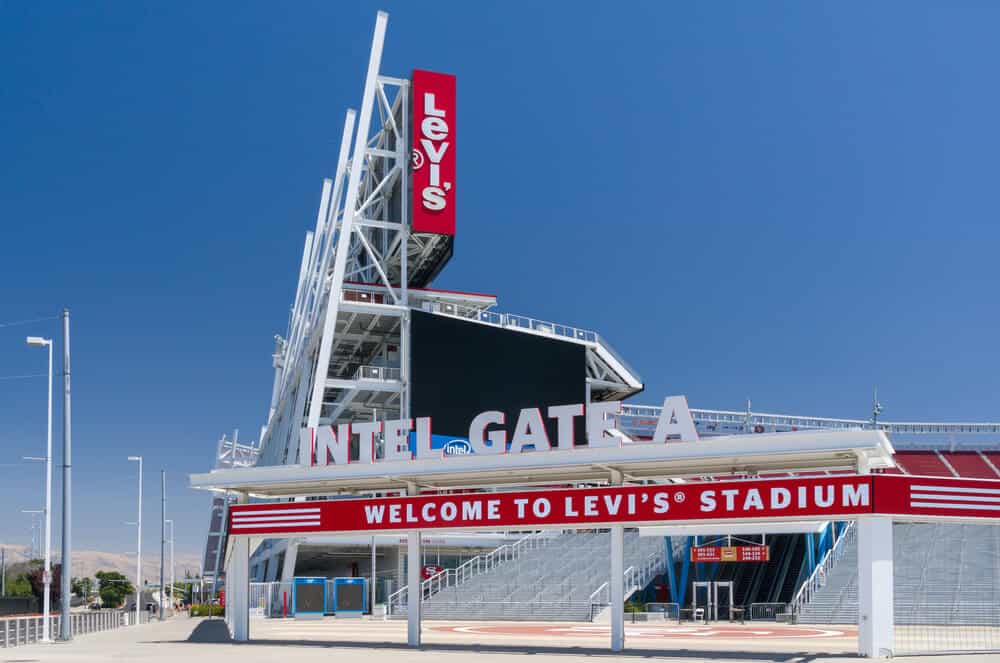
876, 631
617, 588
413, 578
238, 584
291, 556
617, 581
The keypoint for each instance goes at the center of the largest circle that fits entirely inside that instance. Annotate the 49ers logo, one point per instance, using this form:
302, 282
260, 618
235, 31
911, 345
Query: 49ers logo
432, 160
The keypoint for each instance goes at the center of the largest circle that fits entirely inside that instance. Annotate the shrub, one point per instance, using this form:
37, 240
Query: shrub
205, 610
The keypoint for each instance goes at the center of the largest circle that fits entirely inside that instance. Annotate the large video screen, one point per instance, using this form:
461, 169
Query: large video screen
461, 368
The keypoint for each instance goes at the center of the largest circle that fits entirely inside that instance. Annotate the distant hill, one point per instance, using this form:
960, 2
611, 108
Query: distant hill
89, 562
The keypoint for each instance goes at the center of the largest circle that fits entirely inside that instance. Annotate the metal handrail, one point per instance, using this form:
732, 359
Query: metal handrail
15, 631
472, 568
514, 321
817, 579
634, 578
377, 373
800, 422
766, 610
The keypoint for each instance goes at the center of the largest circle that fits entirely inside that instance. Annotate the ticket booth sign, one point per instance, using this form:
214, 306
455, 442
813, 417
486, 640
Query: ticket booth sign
731, 554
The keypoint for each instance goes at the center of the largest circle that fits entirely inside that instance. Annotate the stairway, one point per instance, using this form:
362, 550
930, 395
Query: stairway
942, 574
551, 583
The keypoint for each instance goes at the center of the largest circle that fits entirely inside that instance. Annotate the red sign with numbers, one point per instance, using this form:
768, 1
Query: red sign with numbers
730, 554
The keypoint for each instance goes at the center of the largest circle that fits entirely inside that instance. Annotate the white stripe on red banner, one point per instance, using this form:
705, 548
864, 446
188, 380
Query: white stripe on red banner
275, 512
264, 519
298, 523
955, 497
955, 489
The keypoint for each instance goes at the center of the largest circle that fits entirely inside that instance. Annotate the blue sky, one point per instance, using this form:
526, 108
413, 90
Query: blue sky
784, 201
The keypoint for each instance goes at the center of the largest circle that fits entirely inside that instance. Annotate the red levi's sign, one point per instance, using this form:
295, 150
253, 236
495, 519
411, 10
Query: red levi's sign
432, 159
788, 499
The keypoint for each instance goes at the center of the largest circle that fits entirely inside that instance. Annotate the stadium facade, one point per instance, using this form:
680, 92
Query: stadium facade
370, 339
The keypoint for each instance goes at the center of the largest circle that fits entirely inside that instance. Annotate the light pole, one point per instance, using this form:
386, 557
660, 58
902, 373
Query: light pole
171, 523
66, 624
39, 342
138, 553
163, 532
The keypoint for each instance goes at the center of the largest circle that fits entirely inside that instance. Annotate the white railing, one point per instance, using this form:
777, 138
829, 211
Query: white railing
514, 321
377, 373
476, 566
656, 612
15, 631
644, 417
817, 579
270, 599
636, 577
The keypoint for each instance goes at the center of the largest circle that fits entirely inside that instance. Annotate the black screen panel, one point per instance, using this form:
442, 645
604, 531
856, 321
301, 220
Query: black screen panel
461, 368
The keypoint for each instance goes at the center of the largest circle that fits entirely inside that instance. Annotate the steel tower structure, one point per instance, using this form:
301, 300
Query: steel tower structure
364, 269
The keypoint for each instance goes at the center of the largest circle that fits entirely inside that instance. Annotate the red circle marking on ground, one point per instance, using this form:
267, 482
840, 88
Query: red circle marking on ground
674, 631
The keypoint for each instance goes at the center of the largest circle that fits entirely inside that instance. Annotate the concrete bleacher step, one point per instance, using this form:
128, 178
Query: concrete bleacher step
942, 573
541, 585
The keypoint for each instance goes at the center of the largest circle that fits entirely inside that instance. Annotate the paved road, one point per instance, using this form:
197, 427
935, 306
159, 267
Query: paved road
348, 641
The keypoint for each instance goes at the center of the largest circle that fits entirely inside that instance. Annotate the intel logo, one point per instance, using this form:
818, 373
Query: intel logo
457, 448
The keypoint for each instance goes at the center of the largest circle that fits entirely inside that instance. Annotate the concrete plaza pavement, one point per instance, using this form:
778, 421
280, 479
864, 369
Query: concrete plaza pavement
358, 641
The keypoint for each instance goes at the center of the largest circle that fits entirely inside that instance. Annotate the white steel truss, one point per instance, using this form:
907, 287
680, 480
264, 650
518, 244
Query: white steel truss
230, 453
362, 235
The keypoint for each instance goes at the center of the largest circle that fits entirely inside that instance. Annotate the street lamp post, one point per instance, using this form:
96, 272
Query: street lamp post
39, 342
138, 553
66, 572
171, 523
163, 532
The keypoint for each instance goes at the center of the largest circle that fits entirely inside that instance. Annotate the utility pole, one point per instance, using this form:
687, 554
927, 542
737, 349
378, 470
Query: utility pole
65, 623
138, 549
171, 523
3, 571
37, 341
163, 532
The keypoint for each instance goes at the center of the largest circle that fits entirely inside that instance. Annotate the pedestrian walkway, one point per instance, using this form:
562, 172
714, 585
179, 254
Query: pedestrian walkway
361, 641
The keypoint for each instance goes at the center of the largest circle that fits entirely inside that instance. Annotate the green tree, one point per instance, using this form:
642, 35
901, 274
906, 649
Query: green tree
83, 587
19, 586
113, 588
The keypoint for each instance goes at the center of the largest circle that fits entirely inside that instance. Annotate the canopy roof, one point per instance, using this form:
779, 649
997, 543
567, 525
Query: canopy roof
736, 454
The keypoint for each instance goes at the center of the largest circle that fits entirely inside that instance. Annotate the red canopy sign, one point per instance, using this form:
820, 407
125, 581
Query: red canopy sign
821, 497
797, 498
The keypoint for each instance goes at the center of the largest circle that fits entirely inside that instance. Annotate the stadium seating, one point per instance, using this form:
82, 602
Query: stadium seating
550, 583
942, 574
923, 463
970, 464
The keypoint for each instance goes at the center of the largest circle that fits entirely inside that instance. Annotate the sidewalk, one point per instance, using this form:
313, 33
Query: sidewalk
182, 638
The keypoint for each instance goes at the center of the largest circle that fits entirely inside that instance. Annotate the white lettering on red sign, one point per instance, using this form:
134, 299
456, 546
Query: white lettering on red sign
433, 159
793, 499
779, 498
